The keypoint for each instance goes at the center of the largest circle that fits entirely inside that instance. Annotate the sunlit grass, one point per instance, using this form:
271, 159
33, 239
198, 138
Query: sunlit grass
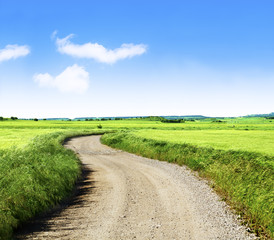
245, 179
29, 160
20, 137
238, 123
35, 178
253, 141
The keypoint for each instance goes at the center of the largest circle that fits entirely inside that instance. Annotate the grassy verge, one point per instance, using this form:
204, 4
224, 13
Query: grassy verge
244, 179
35, 178
261, 141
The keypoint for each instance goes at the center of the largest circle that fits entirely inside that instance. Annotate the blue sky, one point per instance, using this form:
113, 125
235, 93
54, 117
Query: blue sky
133, 58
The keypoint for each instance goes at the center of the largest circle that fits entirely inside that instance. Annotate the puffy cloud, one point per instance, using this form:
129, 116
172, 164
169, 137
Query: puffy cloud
72, 79
13, 52
97, 51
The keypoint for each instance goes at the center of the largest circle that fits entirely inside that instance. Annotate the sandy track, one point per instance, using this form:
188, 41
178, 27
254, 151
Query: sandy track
124, 196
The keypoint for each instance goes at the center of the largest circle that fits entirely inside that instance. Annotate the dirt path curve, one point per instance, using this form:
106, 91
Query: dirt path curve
130, 197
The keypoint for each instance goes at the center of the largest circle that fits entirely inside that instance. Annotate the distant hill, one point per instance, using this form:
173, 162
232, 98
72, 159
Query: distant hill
132, 117
172, 117
261, 115
83, 118
186, 117
142, 117
64, 119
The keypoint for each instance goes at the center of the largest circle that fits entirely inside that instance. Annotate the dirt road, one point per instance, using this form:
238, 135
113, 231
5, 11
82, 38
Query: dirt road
124, 196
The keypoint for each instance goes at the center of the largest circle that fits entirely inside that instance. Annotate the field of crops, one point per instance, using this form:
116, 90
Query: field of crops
237, 153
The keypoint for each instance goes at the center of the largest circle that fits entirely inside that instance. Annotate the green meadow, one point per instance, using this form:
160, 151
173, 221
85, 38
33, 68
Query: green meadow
20, 137
19, 132
235, 154
260, 141
138, 123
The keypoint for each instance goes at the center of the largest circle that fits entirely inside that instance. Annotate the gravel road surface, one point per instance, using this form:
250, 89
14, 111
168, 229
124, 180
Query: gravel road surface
124, 196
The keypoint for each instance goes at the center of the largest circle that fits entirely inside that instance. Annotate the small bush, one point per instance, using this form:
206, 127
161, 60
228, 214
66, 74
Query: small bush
218, 121
172, 120
99, 126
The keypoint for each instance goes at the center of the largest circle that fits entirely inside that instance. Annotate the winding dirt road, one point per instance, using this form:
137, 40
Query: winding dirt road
124, 196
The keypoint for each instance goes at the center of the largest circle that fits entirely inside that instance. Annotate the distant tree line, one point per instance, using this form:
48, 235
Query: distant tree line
103, 119
172, 120
12, 118
218, 121
153, 118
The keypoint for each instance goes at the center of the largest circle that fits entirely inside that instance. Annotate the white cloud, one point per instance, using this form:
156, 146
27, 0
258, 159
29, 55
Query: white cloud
13, 52
72, 79
53, 35
99, 52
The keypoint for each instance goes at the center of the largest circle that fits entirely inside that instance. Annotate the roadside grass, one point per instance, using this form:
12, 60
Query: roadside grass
244, 179
35, 178
260, 141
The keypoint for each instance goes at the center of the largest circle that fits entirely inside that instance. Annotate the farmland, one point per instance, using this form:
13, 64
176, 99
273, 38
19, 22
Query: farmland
236, 154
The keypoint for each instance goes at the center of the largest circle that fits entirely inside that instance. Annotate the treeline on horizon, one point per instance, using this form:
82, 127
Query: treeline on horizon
151, 118
165, 119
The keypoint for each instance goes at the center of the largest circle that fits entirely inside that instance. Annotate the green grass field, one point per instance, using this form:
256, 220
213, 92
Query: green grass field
19, 132
234, 123
260, 141
20, 137
237, 154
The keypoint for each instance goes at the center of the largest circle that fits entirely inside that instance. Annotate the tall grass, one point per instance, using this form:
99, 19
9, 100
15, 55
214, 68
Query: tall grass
243, 178
35, 178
